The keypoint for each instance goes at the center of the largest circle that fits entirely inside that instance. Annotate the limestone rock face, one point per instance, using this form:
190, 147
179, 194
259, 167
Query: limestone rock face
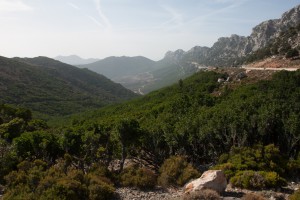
227, 50
175, 56
211, 179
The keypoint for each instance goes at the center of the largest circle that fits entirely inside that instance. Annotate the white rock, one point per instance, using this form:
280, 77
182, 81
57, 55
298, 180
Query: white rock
211, 179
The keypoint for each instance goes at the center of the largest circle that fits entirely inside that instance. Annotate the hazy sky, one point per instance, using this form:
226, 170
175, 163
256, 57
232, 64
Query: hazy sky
101, 28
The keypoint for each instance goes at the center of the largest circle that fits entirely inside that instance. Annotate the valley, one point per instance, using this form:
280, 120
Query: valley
220, 122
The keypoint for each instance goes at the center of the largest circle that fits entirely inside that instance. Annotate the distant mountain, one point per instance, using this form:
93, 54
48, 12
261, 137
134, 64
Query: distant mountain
75, 60
132, 72
116, 68
50, 87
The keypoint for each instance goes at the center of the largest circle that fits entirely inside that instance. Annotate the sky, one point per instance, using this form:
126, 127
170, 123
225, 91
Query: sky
102, 28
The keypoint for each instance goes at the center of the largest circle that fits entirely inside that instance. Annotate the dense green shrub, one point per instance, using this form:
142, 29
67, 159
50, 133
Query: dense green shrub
295, 195
135, 176
206, 194
259, 158
34, 181
176, 171
257, 180
66, 188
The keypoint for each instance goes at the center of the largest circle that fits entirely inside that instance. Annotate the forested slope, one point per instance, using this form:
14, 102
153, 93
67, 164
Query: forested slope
251, 132
190, 118
50, 87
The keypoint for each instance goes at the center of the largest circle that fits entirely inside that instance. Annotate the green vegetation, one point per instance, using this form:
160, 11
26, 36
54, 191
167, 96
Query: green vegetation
188, 119
176, 171
252, 132
138, 177
33, 180
257, 180
267, 162
49, 87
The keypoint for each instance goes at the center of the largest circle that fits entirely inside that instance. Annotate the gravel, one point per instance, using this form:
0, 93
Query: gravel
156, 194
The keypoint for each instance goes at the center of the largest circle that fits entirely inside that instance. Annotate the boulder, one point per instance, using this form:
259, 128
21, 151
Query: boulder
211, 179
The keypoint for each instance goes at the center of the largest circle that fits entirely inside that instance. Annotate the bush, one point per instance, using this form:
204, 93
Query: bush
206, 194
259, 158
34, 181
135, 176
100, 188
257, 180
68, 188
295, 195
292, 53
250, 196
176, 171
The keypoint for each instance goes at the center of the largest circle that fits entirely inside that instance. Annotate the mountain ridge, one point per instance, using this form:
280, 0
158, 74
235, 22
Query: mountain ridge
75, 60
226, 50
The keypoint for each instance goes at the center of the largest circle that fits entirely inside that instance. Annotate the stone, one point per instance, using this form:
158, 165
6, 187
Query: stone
211, 179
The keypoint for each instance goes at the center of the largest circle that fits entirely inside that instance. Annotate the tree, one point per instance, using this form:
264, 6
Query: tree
129, 132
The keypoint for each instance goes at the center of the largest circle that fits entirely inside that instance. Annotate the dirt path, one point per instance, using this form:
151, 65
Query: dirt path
269, 68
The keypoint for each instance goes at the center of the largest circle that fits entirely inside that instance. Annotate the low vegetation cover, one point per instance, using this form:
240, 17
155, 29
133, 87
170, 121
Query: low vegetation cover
252, 132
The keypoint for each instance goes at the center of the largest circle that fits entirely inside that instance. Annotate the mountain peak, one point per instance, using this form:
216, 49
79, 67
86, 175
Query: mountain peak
174, 56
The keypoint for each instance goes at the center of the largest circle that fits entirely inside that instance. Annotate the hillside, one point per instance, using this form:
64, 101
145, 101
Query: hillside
50, 87
202, 118
246, 128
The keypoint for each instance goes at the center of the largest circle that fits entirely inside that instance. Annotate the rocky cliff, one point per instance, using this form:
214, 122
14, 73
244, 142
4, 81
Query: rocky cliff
228, 50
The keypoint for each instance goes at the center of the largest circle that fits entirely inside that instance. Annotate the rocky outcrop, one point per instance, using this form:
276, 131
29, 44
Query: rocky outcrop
211, 179
175, 56
227, 50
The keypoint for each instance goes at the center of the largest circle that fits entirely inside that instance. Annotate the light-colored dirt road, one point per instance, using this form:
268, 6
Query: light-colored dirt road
273, 69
